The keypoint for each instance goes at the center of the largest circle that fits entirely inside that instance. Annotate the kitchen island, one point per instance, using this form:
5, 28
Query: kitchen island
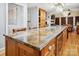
46, 41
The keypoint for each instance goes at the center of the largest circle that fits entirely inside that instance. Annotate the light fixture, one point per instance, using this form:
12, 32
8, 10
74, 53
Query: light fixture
61, 7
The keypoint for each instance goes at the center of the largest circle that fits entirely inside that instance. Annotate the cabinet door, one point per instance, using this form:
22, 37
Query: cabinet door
42, 18
10, 47
64, 36
49, 50
24, 50
59, 45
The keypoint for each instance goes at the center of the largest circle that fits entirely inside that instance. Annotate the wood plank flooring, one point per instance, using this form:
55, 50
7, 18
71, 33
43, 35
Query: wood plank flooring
71, 47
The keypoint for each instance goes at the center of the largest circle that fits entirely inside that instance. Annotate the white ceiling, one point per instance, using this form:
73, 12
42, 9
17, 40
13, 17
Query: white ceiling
49, 6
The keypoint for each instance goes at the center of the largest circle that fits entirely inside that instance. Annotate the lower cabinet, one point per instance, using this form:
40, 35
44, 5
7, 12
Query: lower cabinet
65, 36
10, 49
14, 48
24, 50
49, 50
59, 42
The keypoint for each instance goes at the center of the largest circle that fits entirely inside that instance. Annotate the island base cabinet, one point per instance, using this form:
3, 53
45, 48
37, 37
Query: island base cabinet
49, 50
65, 34
10, 49
59, 43
16, 48
27, 51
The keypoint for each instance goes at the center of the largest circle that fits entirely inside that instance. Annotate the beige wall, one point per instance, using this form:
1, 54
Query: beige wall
73, 13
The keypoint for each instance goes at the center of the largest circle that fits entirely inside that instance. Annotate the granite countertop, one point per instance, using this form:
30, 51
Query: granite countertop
38, 38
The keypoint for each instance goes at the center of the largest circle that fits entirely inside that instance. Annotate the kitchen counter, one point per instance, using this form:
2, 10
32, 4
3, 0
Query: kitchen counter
37, 38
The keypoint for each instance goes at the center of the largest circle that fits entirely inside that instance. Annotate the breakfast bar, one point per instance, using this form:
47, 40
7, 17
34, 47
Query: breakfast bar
46, 41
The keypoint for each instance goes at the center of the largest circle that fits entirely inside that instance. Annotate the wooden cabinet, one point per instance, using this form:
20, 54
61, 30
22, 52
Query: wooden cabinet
15, 48
59, 43
10, 47
49, 50
65, 36
24, 50
42, 18
18, 48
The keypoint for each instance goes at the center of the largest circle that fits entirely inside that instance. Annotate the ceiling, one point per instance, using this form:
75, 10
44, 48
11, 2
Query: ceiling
49, 6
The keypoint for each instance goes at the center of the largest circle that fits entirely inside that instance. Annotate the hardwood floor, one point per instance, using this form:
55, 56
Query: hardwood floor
70, 48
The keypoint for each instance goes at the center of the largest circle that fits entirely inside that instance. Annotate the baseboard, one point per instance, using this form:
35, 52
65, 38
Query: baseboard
2, 50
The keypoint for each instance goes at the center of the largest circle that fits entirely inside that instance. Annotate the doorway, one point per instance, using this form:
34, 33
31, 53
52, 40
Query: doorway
63, 20
57, 20
70, 20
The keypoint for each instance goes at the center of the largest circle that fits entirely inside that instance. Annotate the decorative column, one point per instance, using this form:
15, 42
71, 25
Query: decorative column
66, 20
59, 20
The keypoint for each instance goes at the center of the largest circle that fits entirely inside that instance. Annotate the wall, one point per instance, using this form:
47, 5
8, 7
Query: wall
2, 23
73, 13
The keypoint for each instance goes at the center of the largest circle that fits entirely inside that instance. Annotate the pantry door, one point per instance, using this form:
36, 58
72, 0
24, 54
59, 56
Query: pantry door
42, 18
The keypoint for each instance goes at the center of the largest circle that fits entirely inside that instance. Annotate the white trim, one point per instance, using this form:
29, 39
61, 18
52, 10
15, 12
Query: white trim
73, 20
6, 18
59, 20
66, 20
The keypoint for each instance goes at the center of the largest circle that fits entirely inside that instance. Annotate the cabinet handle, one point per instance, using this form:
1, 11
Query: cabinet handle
50, 48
